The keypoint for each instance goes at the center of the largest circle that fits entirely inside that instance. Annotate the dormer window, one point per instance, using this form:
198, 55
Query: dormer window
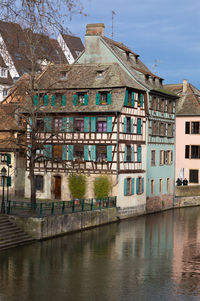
18, 56
3, 72
100, 74
63, 75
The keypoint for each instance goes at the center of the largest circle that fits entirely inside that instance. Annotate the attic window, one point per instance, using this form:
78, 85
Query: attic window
63, 75
3, 72
78, 52
146, 77
18, 56
127, 55
100, 74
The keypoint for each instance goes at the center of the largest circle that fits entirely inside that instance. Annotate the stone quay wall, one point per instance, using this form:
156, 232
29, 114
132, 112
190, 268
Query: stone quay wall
51, 226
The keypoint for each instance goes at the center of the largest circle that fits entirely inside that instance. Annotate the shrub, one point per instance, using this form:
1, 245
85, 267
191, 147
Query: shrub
102, 187
77, 185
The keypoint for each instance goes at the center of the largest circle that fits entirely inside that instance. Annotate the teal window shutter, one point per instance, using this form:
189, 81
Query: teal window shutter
53, 100
132, 125
142, 185
47, 124
109, 98
86, 124
139, 126
45, 100
86, 99
93, 124
125, 186
86, 152
64, 152
126, 98
125, 125
109, 124
98, 99
133, 99
35, 100
109, 153
137, 185
64, 124
48, 151
141, 99
133, 186
93, 152
132, 153
63, 103
125, 154
71, 124
70, 152
139, 149
30, 124
75, 99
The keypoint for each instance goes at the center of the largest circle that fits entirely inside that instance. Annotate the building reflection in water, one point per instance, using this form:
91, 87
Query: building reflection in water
156, 257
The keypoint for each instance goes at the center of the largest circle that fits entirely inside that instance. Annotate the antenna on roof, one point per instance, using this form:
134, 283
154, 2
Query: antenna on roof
113, 13
155, 65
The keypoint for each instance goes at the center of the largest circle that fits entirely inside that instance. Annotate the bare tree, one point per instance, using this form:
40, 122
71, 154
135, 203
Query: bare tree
38, 18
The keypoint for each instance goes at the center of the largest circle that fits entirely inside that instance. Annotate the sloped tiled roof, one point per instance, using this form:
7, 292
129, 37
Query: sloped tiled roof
189, 102
74, 44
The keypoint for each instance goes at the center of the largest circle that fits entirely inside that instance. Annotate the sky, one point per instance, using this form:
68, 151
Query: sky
165, 33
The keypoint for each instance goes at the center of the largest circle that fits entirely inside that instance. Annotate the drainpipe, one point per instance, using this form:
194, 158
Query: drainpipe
174, 157
117, 179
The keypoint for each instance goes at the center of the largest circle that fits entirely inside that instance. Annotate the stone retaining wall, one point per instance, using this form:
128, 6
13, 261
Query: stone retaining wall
187, 201
50, 226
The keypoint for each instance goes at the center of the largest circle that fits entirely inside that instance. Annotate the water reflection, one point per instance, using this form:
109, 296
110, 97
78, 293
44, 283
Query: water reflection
156, 257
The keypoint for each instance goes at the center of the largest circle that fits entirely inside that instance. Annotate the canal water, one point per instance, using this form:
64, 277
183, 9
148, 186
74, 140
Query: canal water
155, 257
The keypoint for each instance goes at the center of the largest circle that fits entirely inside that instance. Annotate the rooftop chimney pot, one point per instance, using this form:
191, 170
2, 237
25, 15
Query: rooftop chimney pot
95, 29
185, 86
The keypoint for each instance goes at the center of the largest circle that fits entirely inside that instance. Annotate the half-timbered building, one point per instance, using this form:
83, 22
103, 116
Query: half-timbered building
91, 120
159, 108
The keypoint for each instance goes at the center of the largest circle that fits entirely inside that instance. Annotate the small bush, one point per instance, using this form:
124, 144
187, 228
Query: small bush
77, 185
102, 187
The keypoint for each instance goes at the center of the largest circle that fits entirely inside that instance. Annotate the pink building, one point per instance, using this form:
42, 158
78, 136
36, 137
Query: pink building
187, 132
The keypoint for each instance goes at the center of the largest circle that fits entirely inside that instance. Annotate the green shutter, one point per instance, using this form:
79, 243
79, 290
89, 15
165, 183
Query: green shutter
64, 152
97, 98
64, 124
70, 152
47, 124
30, 124
137, 185
133, 185
125, 186
109, 124
133, 99
53, 97
45, 100
109, 98
8, 159
86, 99
48, 151
132, 153
141, 99
35, 100
139, 149
63, 103
132, 125
86, 124
109, 153
8, 181
125, 125
142, 185
126, 98
71, 124
139, 126
93, 124
93, 152
75, 99
125, 154
86, 152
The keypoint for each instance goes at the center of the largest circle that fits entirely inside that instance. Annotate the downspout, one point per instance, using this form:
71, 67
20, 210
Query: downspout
117, 179
174, 156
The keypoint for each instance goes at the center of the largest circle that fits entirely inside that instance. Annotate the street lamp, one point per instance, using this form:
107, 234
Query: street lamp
3, 175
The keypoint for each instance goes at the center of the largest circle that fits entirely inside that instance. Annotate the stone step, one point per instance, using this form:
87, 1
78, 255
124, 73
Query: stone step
11, 235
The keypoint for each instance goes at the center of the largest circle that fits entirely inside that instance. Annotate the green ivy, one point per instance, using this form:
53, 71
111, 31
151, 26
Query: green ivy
77, 185
102, 187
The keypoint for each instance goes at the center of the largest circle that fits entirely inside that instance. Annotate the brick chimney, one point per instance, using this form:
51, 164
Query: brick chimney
95, 29
185, 86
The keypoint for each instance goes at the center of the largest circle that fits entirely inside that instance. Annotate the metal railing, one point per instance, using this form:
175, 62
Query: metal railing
61, 207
